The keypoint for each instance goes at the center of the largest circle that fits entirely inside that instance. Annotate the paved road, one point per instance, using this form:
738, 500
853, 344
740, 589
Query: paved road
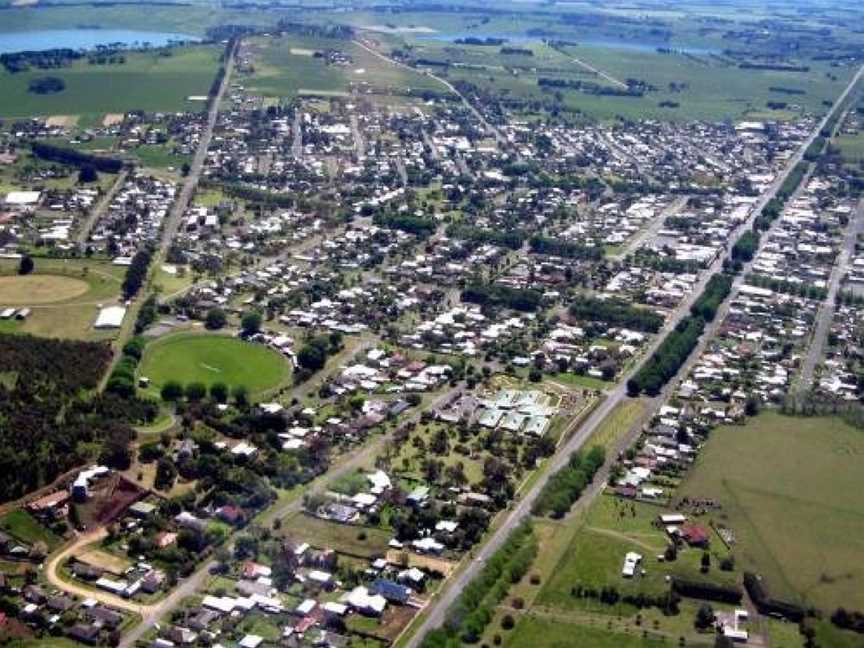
297, 128
96, 213
652, 228
826, 310
359, 144
436, 613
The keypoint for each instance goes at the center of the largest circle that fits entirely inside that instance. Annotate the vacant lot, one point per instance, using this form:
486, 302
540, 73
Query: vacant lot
147, 81
213, 358
98, 558
790, 490
363, 542
39, 289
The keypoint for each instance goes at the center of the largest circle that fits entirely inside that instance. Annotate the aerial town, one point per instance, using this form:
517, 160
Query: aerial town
431, 326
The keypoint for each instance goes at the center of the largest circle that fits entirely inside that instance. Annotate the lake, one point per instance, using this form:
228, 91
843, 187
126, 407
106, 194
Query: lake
585, 40
84, 39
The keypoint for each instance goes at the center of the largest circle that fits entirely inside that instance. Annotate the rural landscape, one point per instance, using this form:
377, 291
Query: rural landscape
431, 325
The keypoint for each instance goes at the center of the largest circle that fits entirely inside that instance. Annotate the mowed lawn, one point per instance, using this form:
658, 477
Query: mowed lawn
64, 295
147, 81
791, 492
211, 359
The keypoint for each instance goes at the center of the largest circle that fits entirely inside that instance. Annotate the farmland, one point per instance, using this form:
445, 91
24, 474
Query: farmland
147, 81
792, 501
210, 359
286, 68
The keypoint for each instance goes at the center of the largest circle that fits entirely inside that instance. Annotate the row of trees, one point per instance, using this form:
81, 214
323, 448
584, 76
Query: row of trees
410, 223
520, 299
75, 158
567, 249
195, 392
136, 273
475, 607
567, 485
616, 312
668, 358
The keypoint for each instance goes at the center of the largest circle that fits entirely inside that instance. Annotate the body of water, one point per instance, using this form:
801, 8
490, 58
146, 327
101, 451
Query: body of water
85, 39
588, 41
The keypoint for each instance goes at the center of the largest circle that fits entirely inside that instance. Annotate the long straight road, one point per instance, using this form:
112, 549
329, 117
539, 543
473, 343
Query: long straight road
436, 612
826, 310
99, 209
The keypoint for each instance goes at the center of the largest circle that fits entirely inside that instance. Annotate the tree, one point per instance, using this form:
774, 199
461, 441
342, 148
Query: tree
250, 323
311, 357
166, 473
706, 562
219, 392
172, 391
185, 169
215, 319
26, 265
704, 617
87, 174
241, 395
195, 391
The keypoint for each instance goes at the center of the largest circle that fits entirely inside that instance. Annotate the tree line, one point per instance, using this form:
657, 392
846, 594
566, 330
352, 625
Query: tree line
136, 273
616, 312
475, 607
521, 299
75, 158
566, 249
567, 485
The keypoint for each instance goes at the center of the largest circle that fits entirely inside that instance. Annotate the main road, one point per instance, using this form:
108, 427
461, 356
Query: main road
436, 612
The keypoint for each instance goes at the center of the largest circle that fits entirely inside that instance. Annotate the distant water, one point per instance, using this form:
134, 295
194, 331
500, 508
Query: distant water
86, 39
587, 40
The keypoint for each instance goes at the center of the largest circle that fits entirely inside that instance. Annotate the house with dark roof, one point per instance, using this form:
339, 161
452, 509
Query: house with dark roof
393, 592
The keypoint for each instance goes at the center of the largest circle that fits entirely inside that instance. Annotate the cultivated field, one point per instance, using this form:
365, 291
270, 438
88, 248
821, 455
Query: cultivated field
790, 490
209, 359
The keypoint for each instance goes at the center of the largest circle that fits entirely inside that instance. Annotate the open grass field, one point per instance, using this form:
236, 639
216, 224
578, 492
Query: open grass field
147, 81
851, 147
284, 69
596, 552
539, 632
616, 425
790, 490
39, 289
343, 538
64, 295
25, 528
189, 357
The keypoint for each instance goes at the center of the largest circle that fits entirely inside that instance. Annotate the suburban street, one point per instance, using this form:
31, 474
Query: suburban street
436, 613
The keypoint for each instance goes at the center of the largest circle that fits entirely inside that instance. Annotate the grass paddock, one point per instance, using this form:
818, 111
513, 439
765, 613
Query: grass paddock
790, 491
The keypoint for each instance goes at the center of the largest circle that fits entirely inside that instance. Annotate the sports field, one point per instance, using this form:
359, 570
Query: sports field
39, 289
147, 81
791, 493
209, 359
63, 294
